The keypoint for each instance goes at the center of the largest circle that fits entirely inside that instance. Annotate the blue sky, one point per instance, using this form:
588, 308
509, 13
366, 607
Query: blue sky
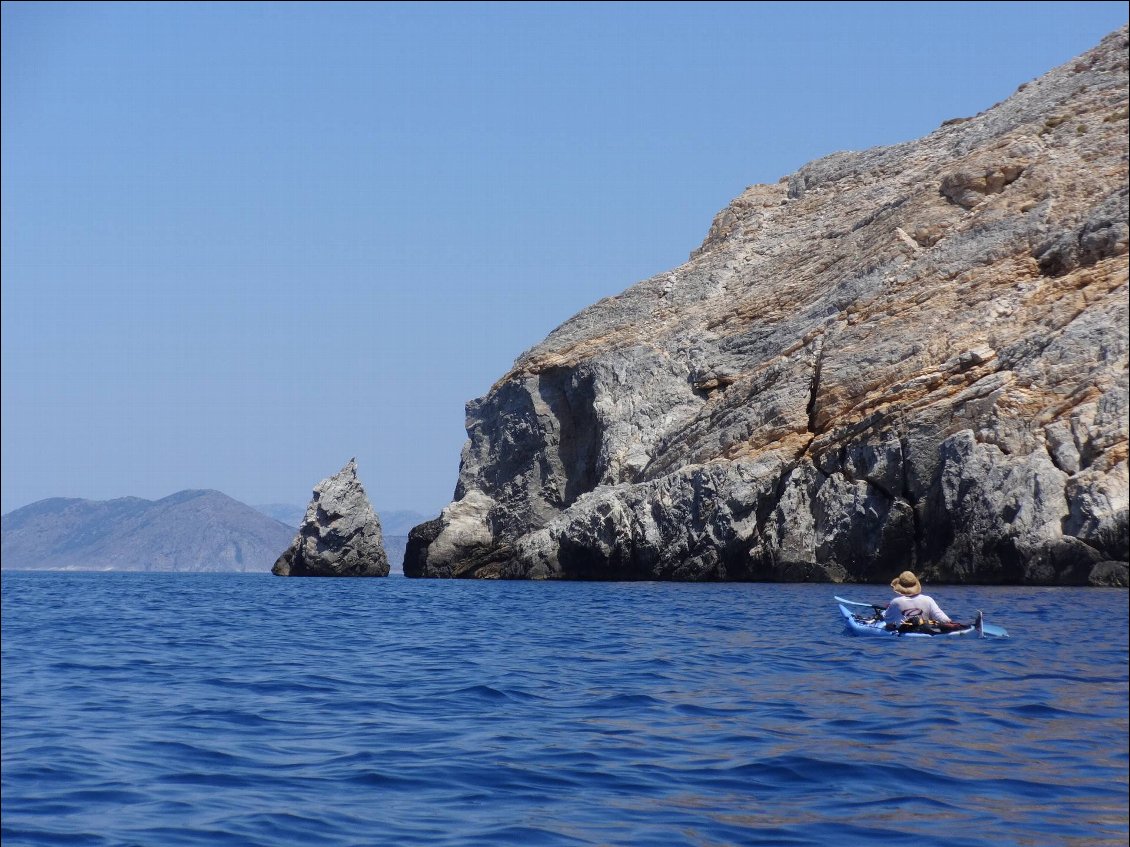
244, 242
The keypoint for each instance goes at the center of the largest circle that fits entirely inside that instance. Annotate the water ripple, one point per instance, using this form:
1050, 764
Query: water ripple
145, 709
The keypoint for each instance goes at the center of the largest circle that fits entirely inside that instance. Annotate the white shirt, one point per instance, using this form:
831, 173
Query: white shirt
903, 608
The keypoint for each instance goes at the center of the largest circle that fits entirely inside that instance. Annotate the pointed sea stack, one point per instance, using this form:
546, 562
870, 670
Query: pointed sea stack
340, 535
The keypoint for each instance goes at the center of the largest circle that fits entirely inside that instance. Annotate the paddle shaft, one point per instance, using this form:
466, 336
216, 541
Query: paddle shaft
853, 603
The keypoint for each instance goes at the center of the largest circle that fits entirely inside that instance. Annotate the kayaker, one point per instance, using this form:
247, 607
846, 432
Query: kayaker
912, 606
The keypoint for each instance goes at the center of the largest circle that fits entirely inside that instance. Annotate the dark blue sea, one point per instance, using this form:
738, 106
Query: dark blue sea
230, 709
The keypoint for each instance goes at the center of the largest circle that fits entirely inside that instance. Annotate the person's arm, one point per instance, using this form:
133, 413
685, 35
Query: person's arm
893, 613
937, 614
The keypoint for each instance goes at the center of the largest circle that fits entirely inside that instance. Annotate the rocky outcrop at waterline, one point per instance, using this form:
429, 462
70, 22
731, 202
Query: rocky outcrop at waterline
340, 534
909, 357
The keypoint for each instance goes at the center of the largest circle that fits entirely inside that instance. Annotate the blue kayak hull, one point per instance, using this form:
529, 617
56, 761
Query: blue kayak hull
858, 625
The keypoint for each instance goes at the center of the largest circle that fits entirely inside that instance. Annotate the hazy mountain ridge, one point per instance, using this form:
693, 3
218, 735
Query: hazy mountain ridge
393, 521
192, 530
395, 545
286, 513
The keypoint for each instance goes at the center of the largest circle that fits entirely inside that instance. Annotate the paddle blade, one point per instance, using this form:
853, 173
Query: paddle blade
995, 631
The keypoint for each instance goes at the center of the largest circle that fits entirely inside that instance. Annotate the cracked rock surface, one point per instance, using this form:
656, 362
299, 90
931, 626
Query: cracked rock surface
340, 534
909, 357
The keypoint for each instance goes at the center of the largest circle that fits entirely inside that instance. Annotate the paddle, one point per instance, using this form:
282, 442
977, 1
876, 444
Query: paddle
984, 629
853, 603
995, 631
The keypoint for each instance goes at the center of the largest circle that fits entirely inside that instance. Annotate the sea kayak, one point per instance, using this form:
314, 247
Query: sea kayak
872, 624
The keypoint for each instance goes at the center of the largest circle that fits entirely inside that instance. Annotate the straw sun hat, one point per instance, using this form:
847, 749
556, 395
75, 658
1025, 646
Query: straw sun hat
907, 584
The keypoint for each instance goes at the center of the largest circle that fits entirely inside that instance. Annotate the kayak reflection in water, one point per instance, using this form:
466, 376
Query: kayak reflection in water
911, 607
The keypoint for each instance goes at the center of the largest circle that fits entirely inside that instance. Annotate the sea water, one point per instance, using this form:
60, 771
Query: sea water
228, 709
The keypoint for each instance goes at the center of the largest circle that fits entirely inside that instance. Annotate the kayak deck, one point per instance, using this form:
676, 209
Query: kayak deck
863, 626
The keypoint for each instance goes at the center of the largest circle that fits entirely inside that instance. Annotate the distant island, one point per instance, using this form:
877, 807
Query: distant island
194, 530
396, 522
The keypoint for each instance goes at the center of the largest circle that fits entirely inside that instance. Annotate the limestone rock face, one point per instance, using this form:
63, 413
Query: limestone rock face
910, 357
340, 534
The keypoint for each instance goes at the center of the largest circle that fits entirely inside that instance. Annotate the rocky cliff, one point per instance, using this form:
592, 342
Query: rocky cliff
340, 534
909, 357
